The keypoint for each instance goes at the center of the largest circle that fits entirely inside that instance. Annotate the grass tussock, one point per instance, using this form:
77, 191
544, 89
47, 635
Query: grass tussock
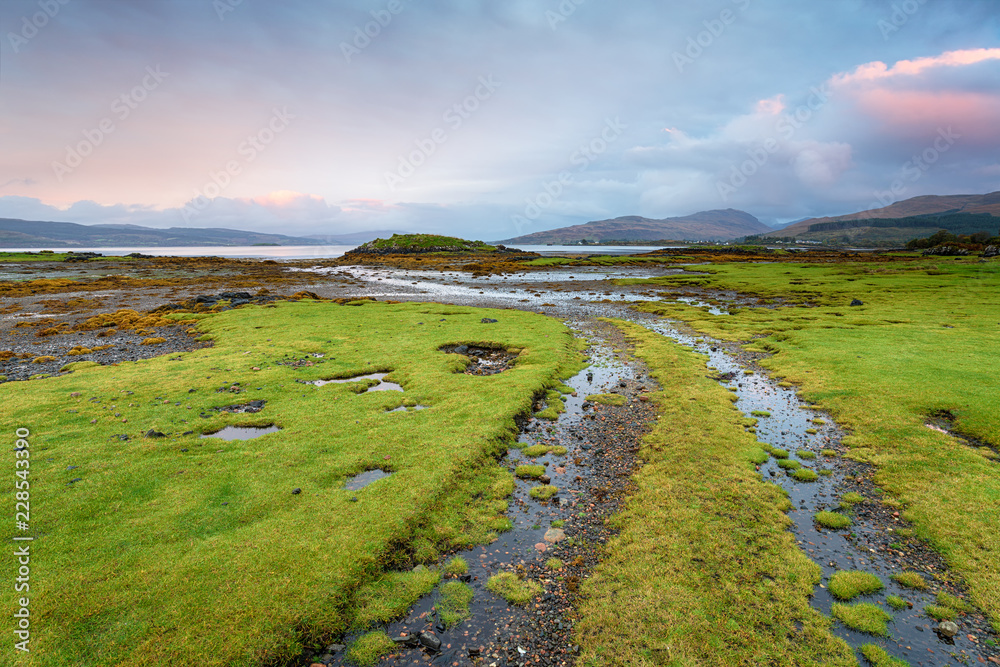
879, 657
910, 580
453, 605
848, 585
863, 617
529, 471
607, 399
368, 648
513, 589
832, 520
703, 570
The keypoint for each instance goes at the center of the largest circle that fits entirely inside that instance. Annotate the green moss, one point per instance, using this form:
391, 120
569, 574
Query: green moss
805, 454
897, 602
543, 492
811, 431
863, 617
819, 422
391, 595
847, 585
825, 472
829, 452
805, 475
554, 564
779, 453
910, 580
940, 612
760, 413
512, 589
78, 365
453, 605
607, 399
367, 649
558, 450
534, 451
529, 472
832, 520
758, 456
559, 523
850, 499
879, 657
456, 566
789, 464
952, 602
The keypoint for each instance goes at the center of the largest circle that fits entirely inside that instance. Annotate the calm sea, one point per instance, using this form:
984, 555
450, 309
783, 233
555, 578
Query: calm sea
318, 251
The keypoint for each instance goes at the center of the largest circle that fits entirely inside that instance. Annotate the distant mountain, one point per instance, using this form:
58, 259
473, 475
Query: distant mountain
31, 234
904, 220
355, 238
720, 225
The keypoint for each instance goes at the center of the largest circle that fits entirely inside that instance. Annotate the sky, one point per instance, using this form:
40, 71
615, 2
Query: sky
489, 119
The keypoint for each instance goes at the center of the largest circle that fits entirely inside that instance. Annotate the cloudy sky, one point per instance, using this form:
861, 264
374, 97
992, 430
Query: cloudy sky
489, 118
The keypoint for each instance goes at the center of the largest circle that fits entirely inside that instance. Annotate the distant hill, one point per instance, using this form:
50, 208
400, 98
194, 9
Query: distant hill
354, 238
31, 234
719, 225
903, 220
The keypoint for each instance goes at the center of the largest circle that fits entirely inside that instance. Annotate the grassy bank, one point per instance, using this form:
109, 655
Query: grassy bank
704, 571
184, 550
923, 343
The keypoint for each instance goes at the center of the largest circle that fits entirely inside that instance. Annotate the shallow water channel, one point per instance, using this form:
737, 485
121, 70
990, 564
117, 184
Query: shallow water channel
790, 425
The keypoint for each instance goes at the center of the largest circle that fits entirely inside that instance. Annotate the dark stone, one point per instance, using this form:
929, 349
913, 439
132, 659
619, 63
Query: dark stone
335, 648
235, 295
461, 349
544, 479
429, 641
857, 302
409, 641
991, 251
155, 434
74, 480
184, 450
296, 491
201, 298
488, 320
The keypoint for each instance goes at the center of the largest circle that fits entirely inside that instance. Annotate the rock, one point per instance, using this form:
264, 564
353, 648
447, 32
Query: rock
335, 648
857, 302
554, 535
461, 349
429, 641
74, 394
488, 320
947, 628
541, 546
151, 433
296, 491
544, 479
991, 251
409, 641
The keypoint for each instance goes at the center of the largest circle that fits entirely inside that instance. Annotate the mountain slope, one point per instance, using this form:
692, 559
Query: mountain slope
32, 234
927, 205
716, 225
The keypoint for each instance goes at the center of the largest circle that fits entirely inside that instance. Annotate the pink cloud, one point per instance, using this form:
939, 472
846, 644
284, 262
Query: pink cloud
877, 70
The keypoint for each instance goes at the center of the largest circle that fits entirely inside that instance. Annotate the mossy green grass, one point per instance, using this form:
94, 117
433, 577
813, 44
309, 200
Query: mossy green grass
832, 520
703, 569
924, 340
910, 580
847, 585
863, 617
188, 551
879, 657
513, 589
607, 399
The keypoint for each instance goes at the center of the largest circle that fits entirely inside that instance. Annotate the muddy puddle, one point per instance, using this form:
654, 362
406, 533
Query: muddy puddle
483, 361
382, 385
362, 480
813, 441
242, 432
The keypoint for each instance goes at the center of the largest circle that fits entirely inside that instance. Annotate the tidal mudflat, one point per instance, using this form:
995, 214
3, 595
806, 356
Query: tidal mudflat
615, 462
